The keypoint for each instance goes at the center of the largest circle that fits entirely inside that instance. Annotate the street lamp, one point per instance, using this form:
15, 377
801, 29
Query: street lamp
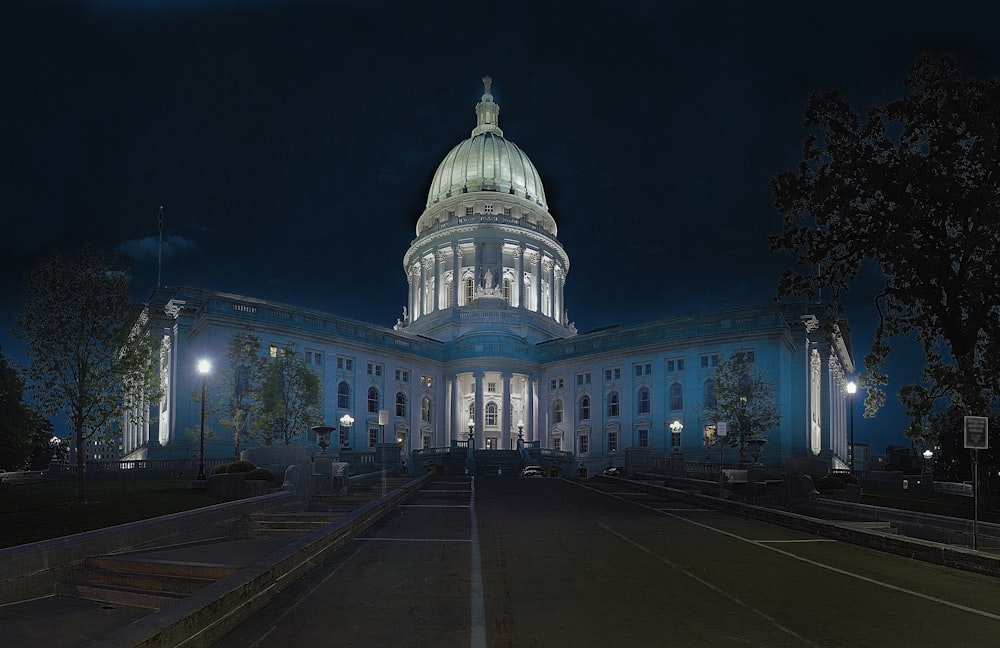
675, 428
852, 388
204, 366
346, 421
928, 455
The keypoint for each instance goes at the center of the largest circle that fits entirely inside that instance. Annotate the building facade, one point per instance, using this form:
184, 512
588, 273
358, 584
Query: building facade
484, 345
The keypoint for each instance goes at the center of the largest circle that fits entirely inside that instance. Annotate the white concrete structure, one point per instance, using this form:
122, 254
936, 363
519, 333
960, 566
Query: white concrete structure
485, 339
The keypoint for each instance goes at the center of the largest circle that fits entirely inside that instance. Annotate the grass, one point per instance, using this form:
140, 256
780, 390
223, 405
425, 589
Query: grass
926, 501
48, 509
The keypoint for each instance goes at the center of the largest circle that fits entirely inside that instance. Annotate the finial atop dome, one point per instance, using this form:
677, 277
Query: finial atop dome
487, 112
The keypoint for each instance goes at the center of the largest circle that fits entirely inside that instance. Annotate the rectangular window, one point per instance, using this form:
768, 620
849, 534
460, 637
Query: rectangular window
372, 437
643, 438
675, 364
344, 441
374, 369
506, 211
583, 378
612, 374
427, 442
556, 383
426, 381
491, 387
403, 375
675, 438
644, 369
584, 444
745, 356
612, 442
487, 209
557, 443
272, 351
451, 213
469, 211
710, 361
346, 364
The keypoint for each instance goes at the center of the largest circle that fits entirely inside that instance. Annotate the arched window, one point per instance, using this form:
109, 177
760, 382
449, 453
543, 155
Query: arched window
709, 393
469, 287
506, 290
425, 410
643, 401
676, 397
585, 408
491, 413
400, 404
343, 395
557, 412
449, 289
372, 400
613, 404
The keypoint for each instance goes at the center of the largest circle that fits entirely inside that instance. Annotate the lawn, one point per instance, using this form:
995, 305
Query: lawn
926, 501
48, 509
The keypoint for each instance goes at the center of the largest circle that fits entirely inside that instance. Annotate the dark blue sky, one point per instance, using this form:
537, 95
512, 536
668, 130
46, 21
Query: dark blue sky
289, 140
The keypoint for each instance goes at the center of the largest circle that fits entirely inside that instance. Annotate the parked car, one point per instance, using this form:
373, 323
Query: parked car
532, 471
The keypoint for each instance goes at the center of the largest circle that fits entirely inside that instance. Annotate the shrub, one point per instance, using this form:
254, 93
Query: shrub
221, 469
263, 474
241, 466
835, 481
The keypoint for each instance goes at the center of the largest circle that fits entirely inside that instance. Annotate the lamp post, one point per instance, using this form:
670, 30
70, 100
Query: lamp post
346, 421
852, 388
204, 366
675, 429
472, 434
928, 455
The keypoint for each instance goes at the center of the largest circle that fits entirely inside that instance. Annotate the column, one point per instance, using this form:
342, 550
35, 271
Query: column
479, 419
518, 286
439, 283
507, 424
546, 266
449, 411
456, 402
530, 420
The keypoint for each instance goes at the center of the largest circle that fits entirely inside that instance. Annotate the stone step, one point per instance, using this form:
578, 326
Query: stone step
141, 581
117, 595
871, 525
161, 567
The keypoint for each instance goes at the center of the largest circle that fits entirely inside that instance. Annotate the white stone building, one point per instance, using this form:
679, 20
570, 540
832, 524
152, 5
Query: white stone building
485, 342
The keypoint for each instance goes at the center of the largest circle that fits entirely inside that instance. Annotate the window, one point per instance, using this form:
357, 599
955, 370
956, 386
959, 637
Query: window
372, 437
487, 209
643, 369
582, 379
745, 356
403, 375
491, 387
612, 374
426, 381
469, 290
612, 442
374, 369
676, 397
314, 358
343, 394
585, 408
675, 364
675, 436
344, 441
469, 211
708, 393
710, 361
557, 443
272, 350
506, 211
643, 438
613, 404
557, 412
491, 413
425, 410
643, 401
584, 444
451, 213
506, 290
345, 364
400, 404
372, 400
556, 383
427, 442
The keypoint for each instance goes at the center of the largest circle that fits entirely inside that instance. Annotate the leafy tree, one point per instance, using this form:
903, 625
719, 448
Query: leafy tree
42, 448
289, 398
912, 189
953, 461
238, 387
89, 358
17, 420
744, 400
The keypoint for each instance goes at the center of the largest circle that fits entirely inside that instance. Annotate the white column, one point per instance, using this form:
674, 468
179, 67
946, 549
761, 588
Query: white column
449, 410
506, 419
479, 418
518, 286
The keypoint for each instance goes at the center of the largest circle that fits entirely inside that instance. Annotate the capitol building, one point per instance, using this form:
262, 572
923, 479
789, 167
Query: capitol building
484, 352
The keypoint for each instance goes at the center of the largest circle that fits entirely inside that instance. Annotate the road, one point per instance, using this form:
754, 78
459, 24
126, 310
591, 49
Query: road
523, 562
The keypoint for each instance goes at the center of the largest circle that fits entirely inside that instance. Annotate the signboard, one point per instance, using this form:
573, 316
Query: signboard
721, 429
383, 417
977, 432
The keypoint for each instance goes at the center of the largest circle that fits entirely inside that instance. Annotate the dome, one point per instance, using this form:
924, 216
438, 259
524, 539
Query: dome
486, 162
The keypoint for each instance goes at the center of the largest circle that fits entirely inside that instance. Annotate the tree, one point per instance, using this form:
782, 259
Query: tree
17, 421
239, 387
912, 189
289, 397
744, 400
89, 357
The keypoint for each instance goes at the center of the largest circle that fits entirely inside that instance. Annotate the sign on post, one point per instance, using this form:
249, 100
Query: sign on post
721, 429
977, 432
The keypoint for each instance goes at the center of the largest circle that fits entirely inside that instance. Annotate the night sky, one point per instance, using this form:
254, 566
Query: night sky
292, 142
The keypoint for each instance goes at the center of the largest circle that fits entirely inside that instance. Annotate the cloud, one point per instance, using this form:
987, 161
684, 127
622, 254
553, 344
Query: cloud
147, 249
